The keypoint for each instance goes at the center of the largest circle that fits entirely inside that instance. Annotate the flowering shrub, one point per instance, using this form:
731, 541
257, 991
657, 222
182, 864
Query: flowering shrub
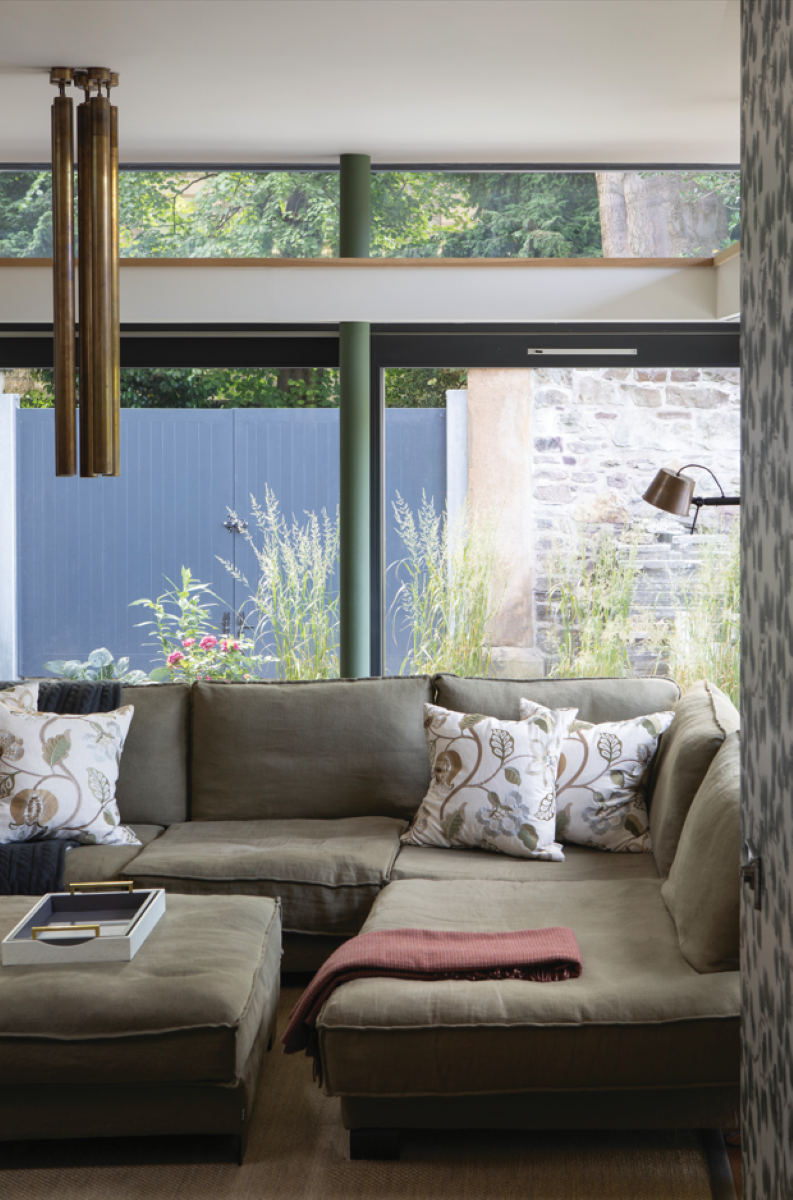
188, 640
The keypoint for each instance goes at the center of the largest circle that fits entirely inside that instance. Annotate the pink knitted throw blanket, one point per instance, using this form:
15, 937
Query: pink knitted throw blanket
538, 955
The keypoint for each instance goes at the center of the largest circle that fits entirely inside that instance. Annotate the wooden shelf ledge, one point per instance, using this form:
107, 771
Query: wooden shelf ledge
414, 264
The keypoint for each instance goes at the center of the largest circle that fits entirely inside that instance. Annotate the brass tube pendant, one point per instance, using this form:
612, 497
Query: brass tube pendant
63, 276
115, 313
101, 285
85, 244
98, 246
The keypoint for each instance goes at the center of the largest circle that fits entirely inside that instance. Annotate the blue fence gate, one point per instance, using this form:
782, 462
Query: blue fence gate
88, 547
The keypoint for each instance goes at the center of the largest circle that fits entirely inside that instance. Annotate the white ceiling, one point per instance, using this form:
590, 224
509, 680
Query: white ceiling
403, 80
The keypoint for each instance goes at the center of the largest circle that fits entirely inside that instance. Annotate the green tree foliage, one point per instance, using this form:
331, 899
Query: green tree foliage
522, 215
416, 387
25, 214
209, 387
295, 214
251, 387
229, 214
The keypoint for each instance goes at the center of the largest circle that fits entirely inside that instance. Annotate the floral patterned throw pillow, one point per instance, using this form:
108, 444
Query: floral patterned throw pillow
25, 695
602, 777
58, 775
493, 783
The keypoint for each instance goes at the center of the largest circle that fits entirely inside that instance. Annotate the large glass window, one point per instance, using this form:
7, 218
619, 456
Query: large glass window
415, 214
225, 517
519, 543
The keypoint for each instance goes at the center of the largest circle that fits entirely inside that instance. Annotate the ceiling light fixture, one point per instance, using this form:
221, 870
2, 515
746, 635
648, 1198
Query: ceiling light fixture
97, 244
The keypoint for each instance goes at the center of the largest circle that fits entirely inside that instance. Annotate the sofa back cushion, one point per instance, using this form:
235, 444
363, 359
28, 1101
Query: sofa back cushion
703, 718
597, 700
327, 748
702, 892
152, 779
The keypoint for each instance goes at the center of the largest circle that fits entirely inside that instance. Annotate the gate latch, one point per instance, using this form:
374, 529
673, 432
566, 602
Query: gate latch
235, 525
752, 873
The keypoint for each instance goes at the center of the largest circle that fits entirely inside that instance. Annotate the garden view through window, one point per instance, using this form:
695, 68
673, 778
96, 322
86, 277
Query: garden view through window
415, 214
517, 541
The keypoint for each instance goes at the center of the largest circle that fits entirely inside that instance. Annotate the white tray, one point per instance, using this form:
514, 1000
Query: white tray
115, 924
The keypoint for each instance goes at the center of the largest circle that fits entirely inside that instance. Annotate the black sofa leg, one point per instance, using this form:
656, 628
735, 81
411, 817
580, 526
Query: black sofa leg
374, 1143
722, 1186
241, 1144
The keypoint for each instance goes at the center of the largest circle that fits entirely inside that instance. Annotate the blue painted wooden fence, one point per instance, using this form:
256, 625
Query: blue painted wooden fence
88, 547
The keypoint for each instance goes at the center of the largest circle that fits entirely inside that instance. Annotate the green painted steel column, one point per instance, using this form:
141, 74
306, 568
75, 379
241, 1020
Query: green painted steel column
354, 384
355, 205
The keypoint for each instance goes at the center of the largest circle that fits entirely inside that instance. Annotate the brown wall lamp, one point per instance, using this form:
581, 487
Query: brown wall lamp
673, 492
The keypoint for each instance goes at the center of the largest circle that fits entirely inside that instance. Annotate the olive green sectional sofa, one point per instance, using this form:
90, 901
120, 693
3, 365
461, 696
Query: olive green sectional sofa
301, 791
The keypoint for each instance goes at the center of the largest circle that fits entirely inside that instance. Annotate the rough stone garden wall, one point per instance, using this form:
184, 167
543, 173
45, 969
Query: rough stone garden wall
590, 443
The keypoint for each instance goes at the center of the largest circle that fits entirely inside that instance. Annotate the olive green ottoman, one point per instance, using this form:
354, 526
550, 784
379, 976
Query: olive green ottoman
169, 1043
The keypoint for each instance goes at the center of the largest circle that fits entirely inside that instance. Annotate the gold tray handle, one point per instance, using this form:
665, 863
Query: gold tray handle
37, 929
110, 885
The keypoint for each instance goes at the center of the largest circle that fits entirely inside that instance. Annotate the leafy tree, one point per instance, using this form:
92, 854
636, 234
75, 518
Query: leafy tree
208, 387
229, 214
524, 215
727, 185
25, 214
294, 214
252, 387
415, 387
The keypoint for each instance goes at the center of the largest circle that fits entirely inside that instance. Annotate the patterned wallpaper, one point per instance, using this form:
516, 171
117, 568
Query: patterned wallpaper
767, 593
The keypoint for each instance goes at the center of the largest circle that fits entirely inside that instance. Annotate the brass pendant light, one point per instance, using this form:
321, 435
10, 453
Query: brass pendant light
97, 208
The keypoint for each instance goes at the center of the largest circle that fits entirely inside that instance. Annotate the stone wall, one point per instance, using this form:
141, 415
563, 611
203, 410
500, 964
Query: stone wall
586, 446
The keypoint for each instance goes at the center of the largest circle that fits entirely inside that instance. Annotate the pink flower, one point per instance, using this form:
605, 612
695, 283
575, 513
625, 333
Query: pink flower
235, 645
207, 643
175, 658
224, 645
188, 642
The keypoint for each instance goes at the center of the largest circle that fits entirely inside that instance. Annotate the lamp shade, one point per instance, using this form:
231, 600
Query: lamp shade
671, 492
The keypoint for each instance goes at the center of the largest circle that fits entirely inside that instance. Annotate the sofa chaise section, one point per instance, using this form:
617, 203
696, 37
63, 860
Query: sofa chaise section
639, 1027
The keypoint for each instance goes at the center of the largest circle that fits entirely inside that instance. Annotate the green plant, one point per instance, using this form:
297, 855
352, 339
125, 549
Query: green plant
188, 640
592, 597
703, 639
448, 597
100, 665
298, 608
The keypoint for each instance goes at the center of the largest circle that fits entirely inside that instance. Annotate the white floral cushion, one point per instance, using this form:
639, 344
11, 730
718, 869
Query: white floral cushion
58, 775
25, 695
600, 790
493, 783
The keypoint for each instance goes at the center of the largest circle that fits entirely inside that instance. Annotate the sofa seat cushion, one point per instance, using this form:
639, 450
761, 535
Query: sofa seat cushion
638, 1016
188, 1007
327, 873
580, 863
96, 864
